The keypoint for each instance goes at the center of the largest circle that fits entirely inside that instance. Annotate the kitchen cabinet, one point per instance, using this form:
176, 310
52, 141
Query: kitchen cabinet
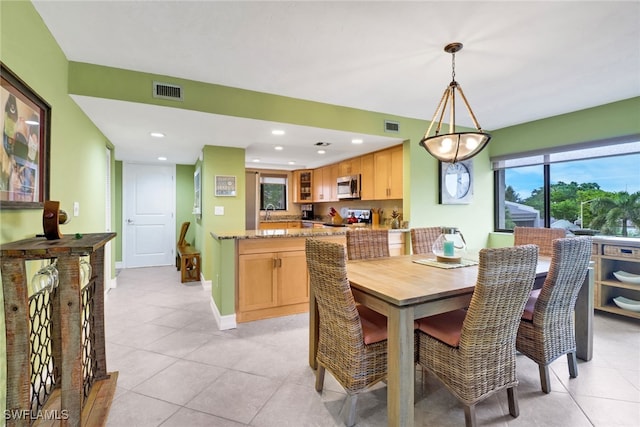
325, 184
388, 166
397, 244
349, 167
615, 254
367, 182
302, 186
272, 279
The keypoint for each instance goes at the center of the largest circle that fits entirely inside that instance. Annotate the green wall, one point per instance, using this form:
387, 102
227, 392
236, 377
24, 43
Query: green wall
620, 118
216, 267
78, 148
184, 201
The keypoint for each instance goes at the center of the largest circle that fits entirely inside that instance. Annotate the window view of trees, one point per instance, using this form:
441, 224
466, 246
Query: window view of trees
607, 201
273, 192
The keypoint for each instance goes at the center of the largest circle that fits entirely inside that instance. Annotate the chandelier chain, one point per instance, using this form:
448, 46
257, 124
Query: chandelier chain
453, 66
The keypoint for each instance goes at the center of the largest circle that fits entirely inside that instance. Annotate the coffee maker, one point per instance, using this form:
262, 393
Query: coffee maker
307, 211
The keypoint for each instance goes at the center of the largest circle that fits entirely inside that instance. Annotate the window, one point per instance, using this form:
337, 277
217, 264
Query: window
273, 192
589, 186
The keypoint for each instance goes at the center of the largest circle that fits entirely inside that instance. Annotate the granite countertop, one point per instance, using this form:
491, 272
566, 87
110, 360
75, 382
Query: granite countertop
290, 232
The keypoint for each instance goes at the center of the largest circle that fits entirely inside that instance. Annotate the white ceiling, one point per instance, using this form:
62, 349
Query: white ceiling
521, 61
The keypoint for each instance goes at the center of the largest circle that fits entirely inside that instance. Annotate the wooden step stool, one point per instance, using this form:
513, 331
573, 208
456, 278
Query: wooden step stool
188, 263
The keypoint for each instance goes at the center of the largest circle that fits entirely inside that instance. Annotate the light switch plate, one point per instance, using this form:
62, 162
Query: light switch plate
218, 210
76, 208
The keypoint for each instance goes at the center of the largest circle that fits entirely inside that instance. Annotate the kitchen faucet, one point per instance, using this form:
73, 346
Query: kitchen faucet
267, 214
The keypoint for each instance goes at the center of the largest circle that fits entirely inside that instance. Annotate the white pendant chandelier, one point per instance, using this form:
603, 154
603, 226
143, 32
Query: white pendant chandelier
453, 146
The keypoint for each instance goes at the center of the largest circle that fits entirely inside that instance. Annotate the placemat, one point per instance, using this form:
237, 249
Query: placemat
433, 263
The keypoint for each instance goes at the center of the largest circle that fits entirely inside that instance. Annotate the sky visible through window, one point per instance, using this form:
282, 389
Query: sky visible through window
620, 173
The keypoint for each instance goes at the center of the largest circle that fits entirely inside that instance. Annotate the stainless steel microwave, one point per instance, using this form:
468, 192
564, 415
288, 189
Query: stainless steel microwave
349, 187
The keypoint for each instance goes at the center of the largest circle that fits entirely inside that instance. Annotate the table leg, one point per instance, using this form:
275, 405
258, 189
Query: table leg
314, 327
584, 318
400, 366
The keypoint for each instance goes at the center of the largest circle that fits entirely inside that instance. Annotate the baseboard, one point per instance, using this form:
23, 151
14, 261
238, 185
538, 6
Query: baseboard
119, 265
223, 322
206, 284
110, 284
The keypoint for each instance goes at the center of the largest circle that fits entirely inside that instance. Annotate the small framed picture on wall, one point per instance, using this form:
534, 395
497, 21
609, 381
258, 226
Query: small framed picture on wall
225, 185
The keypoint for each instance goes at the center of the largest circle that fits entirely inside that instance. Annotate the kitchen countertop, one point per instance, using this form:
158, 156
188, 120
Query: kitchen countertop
291, 232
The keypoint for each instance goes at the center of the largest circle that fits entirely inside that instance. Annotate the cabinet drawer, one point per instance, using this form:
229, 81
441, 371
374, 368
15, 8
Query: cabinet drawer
622, 251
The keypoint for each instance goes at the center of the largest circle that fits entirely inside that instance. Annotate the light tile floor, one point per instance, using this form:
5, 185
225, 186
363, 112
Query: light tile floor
177, 369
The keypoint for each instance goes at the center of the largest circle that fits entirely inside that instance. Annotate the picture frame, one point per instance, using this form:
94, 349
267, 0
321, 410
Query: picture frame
197, 192
225, 185
456, 183
24, 152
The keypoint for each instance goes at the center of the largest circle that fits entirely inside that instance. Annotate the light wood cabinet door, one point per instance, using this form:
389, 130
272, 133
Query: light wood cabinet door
395, 173
331, 182
349, 167
293, 284
388, 166
318, 185
367, 182
257, 286
302, 186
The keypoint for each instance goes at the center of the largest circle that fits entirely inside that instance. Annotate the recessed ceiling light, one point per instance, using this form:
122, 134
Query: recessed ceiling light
279, 147
256, 160
321, 151
292, 163
356, 141
277, 132
162, 158
157, 134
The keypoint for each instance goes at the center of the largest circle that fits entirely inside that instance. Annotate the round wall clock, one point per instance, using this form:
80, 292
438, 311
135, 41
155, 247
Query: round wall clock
456, 182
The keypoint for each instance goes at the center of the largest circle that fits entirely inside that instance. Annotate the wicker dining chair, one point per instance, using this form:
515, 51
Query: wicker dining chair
546, 330
352, 341
423, 238
473, 352
543, 237
364, 243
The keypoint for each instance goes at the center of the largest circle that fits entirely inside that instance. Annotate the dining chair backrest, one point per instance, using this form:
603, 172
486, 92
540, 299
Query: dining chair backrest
327, 267
504, 282
568, 269
547, 327
364, 243
543, 237
423, 238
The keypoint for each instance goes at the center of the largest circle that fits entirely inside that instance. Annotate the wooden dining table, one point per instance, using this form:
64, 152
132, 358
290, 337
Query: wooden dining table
404, 290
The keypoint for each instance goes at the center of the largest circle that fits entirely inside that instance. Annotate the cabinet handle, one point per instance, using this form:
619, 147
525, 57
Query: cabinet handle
279, 262
275, 262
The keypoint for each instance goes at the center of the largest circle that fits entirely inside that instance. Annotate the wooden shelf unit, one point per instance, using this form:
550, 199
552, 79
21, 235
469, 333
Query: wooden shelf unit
76, 328
615, 254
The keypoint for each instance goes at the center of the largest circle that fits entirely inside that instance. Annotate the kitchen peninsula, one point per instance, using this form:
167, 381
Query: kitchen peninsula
267, 269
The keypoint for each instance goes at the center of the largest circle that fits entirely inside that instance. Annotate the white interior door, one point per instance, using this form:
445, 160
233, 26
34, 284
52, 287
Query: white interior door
148, 214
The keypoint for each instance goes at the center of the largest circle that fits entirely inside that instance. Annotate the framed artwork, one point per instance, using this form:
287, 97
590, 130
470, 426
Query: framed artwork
197, 195
225, 185
24, 153
456, 183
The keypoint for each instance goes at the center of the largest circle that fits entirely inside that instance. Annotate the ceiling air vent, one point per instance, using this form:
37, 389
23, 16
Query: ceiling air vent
390, 126
167, 91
